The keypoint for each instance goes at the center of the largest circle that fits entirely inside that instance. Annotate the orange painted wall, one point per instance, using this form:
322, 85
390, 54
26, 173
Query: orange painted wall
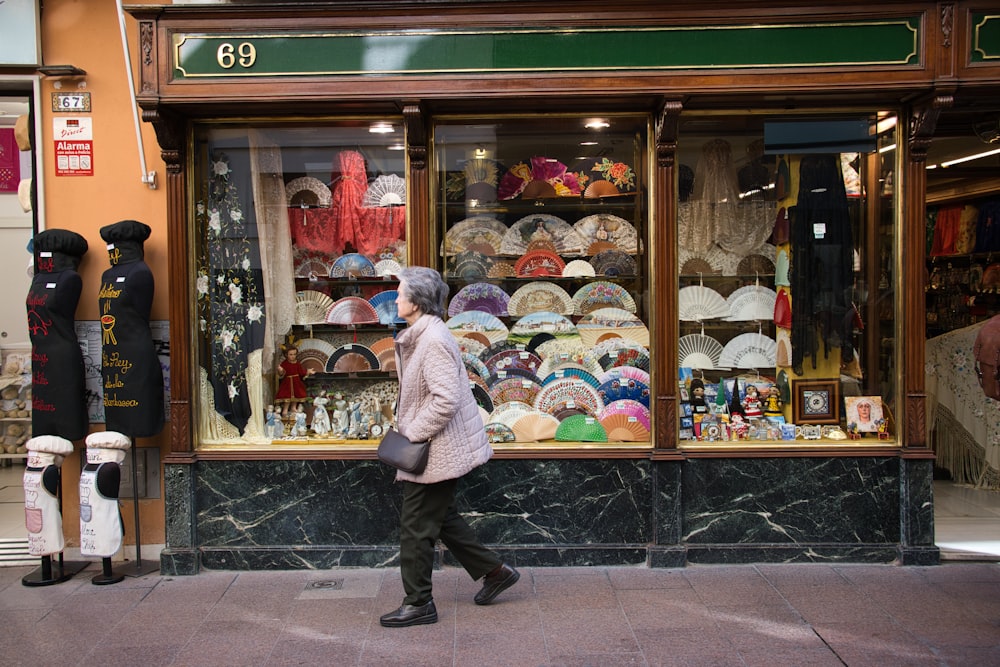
86, 33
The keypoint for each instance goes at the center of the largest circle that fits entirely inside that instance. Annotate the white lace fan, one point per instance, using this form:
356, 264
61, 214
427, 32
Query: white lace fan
749, 350
385, 190
697, 302
311, 306
752, 302
699, 351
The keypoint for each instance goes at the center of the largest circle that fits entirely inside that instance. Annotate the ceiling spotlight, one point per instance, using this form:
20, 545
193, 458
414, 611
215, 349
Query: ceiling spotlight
597, 124
381, 128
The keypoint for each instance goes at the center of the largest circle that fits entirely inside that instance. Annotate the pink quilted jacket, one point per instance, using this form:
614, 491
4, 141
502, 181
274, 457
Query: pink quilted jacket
436, 404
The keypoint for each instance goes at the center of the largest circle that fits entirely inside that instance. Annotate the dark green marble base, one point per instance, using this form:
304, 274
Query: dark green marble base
273, 514
742, 554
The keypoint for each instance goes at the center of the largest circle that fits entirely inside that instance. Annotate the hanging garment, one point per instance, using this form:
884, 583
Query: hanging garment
230, 292
348, 191
823, 261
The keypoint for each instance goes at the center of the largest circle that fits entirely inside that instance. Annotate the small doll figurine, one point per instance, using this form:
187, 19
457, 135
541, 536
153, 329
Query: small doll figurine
751, 402
321, 418
883, 428
270, 420
739, 428
291, 376
772, 404
698, 404
300, 421
277, 425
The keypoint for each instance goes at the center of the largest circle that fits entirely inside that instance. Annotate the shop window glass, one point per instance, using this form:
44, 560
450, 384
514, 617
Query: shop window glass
787, 266
299, 234
542, 228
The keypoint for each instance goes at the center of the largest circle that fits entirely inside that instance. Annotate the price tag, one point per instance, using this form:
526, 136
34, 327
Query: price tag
70, 102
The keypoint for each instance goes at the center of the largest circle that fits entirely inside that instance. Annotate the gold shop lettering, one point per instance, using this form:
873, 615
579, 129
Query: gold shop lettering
115, 360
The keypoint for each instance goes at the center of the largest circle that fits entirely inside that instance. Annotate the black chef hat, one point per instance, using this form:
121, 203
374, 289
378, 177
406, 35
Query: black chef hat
60, 240
126, 230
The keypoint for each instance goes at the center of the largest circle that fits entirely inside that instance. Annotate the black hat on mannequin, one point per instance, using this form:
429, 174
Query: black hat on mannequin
65, 248
126, 230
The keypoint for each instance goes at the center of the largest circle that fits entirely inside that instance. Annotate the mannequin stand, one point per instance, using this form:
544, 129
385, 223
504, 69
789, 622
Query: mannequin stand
107, 575
135, 568
46, 575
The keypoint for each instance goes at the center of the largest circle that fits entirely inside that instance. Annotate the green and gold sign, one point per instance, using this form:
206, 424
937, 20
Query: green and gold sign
985, 37
410, 52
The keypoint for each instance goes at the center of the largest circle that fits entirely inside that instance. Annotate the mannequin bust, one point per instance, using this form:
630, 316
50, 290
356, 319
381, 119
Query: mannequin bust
59, 399
131, 372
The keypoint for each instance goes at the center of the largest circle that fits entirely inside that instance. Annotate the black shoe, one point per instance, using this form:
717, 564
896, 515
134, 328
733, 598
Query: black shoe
496, 582
410, 614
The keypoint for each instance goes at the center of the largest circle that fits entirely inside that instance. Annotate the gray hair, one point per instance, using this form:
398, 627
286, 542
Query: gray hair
425, 289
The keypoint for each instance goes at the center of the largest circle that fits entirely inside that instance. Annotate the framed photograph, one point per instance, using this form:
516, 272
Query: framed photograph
816, 401
863, 413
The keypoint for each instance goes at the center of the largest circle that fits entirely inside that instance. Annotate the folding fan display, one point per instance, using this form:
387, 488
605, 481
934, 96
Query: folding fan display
499, 432
482, 397
697, 302
624, 389
607, 227
475, 231
749, 350
604, 323
499, 346
514, 389
614, 263
474, 364
384, 304
352, 265
312, 268
351, 310
475, 347
509, 412
540, 226
570, 392
627, 372
540, 296
486, 297
478, 322
698, 351
384, 348
560, 349
388, 268
571, 371
579, 268
626, 407
509, 359
713, 261
307, 191
385, 190
535, 426
542, 322
314, 353
626, 357
602, 294
539, 263
751, 302
311, 306
624, 428
582, 428
352, 358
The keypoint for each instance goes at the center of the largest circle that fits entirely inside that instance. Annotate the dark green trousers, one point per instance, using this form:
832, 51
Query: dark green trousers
429, 514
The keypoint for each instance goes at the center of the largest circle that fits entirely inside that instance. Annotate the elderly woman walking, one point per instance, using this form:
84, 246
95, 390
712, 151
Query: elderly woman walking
435, 404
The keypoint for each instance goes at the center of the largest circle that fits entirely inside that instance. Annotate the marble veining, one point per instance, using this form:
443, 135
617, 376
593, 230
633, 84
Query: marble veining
790, 500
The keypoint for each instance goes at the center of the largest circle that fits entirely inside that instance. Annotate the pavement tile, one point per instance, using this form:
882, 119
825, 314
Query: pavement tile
586, 631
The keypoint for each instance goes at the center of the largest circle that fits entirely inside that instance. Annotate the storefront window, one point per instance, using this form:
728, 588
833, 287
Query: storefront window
542, 226
787, 265
299, 233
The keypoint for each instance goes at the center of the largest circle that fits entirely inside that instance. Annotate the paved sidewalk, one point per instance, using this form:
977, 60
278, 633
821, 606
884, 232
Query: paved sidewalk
702, 615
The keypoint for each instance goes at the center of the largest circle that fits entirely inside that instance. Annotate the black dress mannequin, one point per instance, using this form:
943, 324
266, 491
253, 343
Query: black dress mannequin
131, 372
59, 400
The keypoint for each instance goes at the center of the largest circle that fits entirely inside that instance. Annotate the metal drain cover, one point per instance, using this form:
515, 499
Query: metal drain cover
326, 584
